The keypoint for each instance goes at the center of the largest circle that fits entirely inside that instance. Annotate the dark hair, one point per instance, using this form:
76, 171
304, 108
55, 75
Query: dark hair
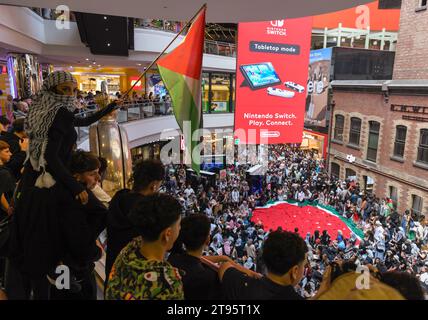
283, 250
4, 121
145, 172
4, 145
153, 214
82, 161
408, 285
194, 231
18, 125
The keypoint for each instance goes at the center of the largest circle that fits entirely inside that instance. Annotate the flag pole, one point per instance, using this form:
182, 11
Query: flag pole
166, 48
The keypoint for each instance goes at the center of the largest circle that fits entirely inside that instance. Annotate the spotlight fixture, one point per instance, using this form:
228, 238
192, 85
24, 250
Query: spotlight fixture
87, 59
108, 44
105, 18
139, 64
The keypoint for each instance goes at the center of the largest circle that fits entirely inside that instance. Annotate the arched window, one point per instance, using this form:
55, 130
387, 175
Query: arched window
374, 128
400, 141
355, 131
335, 170
338, 127
423, 147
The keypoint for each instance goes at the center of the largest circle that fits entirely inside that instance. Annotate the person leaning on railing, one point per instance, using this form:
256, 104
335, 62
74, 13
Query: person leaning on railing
52, 137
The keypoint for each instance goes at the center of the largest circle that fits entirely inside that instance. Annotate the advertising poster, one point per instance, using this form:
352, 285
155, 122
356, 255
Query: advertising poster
318, 81
271, 78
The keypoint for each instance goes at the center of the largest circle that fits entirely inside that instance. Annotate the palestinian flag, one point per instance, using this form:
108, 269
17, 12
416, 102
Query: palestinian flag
307, 218
181, 73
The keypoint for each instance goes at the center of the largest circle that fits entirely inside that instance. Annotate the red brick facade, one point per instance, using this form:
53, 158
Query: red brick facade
412, 45
372, 100
404, 175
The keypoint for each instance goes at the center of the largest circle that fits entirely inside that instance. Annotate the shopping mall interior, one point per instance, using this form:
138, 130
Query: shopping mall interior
310, 175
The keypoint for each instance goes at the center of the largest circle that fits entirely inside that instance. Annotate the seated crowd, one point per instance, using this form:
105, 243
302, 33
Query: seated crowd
172, 236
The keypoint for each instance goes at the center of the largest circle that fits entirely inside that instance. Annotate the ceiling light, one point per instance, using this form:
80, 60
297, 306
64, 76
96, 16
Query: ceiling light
87, 59
94, 62
105, 18
138, 64
108, 44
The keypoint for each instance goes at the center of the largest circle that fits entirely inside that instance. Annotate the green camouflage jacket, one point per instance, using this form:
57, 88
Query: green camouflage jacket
135, 278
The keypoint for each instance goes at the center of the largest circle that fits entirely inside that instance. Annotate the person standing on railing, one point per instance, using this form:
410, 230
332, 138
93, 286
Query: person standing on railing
52, 137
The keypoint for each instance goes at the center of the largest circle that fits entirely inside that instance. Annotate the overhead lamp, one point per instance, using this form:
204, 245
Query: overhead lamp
105, 18
87, 59
108, 44
139, 64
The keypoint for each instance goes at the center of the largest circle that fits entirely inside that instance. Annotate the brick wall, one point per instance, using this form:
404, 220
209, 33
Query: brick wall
385, 172
412, 45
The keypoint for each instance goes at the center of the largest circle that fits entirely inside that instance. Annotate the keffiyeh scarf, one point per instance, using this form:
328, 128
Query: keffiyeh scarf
40, 118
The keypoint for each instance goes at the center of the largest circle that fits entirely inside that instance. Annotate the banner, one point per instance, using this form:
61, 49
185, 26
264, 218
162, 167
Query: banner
271, 77
361, 17
318, 81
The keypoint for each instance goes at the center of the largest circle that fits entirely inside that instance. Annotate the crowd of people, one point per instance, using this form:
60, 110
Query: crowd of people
392, 241
175, 235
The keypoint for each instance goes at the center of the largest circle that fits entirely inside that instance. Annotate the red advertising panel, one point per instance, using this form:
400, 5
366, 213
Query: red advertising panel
360, 17
271, 78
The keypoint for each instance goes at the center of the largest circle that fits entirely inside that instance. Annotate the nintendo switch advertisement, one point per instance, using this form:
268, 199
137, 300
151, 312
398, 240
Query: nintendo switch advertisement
271, 80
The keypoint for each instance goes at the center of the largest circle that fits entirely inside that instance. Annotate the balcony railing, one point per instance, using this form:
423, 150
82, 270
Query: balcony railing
130, 112
211, 47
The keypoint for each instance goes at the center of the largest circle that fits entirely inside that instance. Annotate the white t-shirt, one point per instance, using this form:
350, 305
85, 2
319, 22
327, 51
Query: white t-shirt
188, 192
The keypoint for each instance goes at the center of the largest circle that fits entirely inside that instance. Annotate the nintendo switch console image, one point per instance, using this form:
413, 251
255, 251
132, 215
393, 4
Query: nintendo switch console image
259, 75
280, 92
294, 86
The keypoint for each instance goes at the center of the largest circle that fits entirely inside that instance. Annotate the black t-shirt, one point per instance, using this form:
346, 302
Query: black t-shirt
200, 282
7, 186
238, 286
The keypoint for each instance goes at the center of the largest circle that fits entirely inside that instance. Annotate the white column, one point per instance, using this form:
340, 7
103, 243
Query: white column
325, 37
382, 43
339, 37
368, 38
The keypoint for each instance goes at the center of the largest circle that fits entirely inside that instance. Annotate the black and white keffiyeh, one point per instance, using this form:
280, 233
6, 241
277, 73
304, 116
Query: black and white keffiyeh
40, 118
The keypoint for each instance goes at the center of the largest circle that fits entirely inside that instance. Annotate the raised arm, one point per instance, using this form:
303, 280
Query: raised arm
84, 122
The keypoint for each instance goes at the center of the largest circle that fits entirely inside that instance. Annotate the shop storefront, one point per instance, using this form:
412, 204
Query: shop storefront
218, 92
315, 141
147, 151
94, 82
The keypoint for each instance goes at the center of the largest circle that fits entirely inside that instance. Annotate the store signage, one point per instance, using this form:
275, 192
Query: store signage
409, 109
318, 82
350, 158
308, 136
272, 73
138, 86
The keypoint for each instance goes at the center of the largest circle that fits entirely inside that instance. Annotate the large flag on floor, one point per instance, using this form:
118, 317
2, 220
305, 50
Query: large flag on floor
181, 73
